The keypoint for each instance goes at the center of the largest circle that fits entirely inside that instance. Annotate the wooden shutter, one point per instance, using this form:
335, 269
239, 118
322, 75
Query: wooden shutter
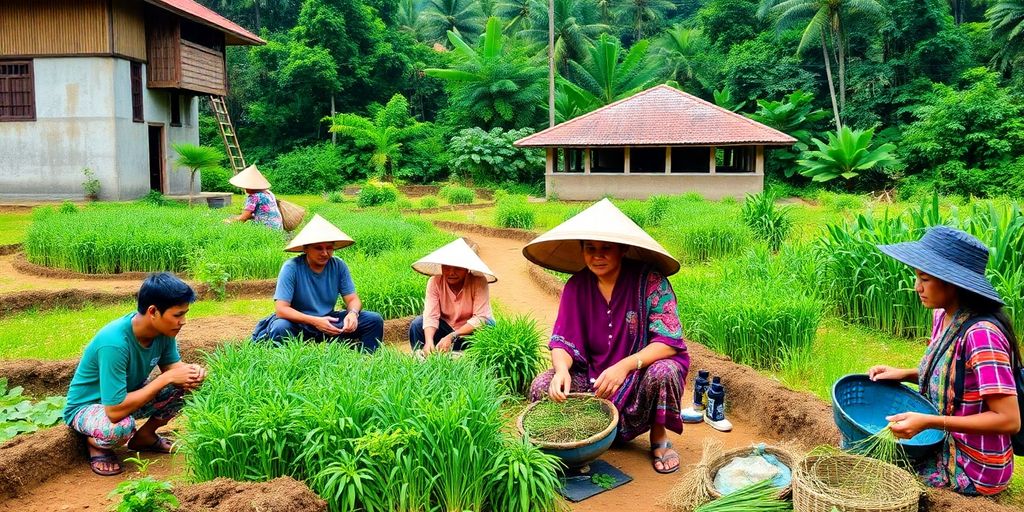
17, 91
137, 93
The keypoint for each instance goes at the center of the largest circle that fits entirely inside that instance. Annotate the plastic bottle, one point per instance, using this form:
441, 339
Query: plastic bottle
695, 413
715, 413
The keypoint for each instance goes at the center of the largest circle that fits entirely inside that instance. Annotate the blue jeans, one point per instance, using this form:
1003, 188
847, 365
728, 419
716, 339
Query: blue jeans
418, 338
369, 332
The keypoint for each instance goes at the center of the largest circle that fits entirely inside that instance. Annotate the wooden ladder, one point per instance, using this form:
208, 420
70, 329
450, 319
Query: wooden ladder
227, 132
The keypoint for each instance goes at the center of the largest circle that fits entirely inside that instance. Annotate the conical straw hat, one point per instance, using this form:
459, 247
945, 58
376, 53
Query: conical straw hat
250, 178
319, 231
560, 249
455, 254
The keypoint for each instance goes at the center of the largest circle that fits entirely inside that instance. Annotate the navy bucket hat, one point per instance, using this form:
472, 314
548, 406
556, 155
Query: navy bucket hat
951, 255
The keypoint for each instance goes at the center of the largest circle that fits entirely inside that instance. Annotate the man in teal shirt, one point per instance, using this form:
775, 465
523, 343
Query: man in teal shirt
111, 388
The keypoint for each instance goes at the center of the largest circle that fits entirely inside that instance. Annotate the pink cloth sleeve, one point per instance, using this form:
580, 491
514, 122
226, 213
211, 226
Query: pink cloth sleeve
432, 304
988, 356
481, 302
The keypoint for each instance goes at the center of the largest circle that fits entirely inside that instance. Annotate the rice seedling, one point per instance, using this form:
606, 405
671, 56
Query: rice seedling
514, 212
335, 197
575, 419
457, 194
360, 434
512, 348
759, 497
884, 446
429, 202
768, 221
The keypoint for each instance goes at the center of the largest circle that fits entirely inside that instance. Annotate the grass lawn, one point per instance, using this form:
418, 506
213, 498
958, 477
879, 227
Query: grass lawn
62, 333
13, 226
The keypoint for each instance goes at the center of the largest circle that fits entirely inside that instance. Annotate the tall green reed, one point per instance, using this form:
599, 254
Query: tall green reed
768, 221
512, 349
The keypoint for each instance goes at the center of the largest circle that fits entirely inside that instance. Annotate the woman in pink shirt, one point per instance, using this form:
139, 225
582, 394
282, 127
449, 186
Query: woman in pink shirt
457, 302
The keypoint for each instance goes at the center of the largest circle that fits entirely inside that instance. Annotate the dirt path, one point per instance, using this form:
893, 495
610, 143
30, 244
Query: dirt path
13, 280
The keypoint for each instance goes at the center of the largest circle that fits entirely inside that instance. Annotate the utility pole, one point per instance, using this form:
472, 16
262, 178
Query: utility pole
551, 63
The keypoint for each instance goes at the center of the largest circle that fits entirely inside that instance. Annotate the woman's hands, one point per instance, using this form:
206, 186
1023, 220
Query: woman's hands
883, 372
561, 382
908, 424
610, 380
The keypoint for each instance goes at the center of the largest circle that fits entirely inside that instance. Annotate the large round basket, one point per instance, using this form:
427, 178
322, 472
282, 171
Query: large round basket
860, 406
852, 483
291, 214
578, 454
786, 457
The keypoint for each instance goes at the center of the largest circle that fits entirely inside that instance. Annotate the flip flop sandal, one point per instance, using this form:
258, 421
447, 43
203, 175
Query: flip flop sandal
160, 445
664, 459
96, 460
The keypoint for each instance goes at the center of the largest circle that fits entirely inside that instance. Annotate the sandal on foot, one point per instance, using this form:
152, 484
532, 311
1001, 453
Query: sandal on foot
160, 445
664, 459
109, 458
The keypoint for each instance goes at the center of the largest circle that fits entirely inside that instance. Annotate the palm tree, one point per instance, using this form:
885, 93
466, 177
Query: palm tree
575, 29
609, 73
1007, 21
384, 134
195, 159
682, 48
408, 19
823, 22
519, 14
499, 85
642, 16
459, 16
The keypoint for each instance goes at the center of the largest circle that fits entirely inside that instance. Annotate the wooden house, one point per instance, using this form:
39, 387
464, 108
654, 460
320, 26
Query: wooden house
658, 141
106, 85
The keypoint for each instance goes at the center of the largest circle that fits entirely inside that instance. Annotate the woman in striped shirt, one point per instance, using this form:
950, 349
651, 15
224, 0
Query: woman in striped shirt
977, 455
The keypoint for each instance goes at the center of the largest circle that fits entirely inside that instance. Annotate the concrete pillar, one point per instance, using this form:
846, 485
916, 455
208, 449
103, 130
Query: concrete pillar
713, 163
625, 161
668, 159
759, 161
586, 161
549, 167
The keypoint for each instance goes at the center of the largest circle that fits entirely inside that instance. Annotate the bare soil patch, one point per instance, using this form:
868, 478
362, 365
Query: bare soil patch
283, 494
508, 234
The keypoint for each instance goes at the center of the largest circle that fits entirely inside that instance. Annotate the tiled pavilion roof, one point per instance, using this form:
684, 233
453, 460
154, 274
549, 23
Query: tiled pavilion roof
659, 116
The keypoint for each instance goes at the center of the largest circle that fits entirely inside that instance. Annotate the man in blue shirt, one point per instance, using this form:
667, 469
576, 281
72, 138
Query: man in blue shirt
111, 388
307, 292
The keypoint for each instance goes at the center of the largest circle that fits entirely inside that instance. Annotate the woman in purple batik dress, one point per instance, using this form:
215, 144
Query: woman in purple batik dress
617, 333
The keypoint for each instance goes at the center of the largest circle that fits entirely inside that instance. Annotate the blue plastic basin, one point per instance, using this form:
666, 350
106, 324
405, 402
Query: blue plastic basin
860, 406
578, 454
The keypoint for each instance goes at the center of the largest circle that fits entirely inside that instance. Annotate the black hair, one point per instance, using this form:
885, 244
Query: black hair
976, 305
164, 290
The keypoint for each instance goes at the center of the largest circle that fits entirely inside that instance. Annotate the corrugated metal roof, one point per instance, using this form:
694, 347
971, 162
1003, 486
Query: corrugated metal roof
236, 35
659, 116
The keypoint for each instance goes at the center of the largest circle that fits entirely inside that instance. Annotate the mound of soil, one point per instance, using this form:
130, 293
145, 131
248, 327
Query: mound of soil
39, 300
520, 235
224, 495
30, 459
9, 249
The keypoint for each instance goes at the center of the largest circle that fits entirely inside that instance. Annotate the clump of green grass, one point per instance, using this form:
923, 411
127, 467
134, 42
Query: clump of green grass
381, 432
768, 221
375, 194
759, 497
701, 239
512, 349
575, 419
429, 202
514, 212
335, 197
457, 194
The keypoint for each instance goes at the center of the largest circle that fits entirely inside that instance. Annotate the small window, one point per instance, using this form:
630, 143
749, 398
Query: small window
137, 93
17, 91
175, 109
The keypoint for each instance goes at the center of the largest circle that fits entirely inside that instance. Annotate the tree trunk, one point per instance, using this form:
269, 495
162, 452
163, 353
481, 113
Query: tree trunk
828, 77
334, 135
840, 41
551, 63
256, 4
191, 186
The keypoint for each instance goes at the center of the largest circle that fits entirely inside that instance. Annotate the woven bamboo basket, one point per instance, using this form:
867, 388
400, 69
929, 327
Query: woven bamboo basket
785, 456
291, 214
852, 483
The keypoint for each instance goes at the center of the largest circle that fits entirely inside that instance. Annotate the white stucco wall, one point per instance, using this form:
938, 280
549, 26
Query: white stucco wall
84, 119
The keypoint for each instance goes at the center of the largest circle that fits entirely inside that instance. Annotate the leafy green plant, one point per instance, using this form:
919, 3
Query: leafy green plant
429, 202
512, 349
155, 198
490, 157
309, 170
335, 197
144, 494
847, 155
91, 185
795, 116
19, 415
457, 194
384, 135
215, 179
195, 159
352, 428
768, 221
514, 212
602, 480
68, 207
374, 194
611, 72
215, 276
